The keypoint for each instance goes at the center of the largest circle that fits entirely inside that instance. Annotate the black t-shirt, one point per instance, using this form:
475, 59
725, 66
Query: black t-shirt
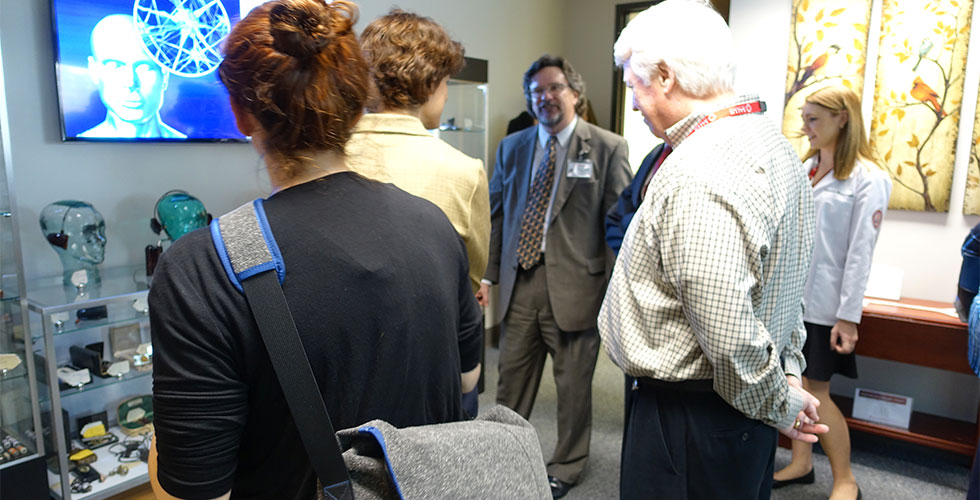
376, 280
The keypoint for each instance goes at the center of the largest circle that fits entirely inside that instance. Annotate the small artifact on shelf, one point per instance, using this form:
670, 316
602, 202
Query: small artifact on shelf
449, 125
8, 361
81, 467
124, 340
94, 433
141, 305
143, 359
91, 314
74, 378
12, 449
117, 369
135, 415
90, 357
120, 471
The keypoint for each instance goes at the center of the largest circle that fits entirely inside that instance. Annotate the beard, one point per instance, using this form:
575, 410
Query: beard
549, 115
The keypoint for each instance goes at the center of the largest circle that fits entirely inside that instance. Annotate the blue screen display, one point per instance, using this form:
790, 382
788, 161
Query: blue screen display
143, 70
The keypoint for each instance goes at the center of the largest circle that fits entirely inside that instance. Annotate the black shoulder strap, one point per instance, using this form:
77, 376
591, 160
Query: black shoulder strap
252, 260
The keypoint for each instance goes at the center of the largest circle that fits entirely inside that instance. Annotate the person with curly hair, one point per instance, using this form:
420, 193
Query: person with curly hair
412, 58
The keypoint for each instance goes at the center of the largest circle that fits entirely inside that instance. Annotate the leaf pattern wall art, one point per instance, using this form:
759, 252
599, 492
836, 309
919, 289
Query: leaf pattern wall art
971, 200
828, 46
918, 95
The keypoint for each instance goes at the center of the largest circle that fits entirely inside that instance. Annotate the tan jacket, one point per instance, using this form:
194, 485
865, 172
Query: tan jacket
397, 149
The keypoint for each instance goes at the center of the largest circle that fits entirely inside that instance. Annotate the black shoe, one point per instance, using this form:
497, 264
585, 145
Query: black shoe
804, 479
559, 488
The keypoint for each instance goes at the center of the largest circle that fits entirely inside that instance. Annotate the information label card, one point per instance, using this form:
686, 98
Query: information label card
883, 408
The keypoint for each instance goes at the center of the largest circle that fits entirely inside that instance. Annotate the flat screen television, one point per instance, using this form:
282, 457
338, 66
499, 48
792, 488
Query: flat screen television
143, 70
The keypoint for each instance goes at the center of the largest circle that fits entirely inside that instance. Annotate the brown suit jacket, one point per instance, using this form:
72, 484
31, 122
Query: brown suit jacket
576, 252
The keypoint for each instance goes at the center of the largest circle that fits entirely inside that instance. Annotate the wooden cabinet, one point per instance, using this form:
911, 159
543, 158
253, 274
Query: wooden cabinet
902, 332
922, 338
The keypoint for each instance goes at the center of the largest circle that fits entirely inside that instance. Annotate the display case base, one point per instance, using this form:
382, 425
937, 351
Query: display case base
24, 480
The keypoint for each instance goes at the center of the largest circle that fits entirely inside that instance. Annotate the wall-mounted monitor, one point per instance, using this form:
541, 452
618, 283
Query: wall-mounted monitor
143, 70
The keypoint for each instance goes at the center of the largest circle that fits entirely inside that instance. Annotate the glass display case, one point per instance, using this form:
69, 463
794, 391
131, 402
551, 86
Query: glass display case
94, 343
464, 119
21, 443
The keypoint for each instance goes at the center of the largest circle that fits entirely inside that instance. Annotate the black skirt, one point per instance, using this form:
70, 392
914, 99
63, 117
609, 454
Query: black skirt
821, 361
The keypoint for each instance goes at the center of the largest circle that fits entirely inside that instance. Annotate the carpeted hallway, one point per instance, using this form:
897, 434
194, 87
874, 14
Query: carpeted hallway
885, 469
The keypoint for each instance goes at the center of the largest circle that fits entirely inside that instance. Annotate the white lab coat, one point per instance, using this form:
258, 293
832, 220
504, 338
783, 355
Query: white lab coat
849, 214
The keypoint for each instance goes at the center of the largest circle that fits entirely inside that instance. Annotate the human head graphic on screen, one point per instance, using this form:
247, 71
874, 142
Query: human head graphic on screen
131, 84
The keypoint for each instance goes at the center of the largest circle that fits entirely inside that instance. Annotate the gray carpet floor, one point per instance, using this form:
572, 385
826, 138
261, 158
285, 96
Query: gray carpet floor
884, 469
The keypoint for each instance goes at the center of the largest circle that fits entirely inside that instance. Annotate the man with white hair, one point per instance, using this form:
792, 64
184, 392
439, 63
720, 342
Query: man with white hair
704, 307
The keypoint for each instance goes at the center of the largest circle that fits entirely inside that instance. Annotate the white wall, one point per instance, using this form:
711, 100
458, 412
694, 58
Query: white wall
589, 38
926, 246
123, 180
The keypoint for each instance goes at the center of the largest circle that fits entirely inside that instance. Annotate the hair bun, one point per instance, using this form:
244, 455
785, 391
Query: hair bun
303, 28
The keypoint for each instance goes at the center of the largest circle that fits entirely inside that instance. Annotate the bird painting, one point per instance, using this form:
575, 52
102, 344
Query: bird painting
924, 49
924, 93
817, 63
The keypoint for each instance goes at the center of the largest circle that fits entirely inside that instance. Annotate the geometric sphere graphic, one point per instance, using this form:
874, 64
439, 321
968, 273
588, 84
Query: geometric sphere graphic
183, 36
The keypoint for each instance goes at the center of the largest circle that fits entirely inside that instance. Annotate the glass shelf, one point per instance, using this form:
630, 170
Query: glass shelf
71, 327
50, 295
138, 474
9, 288
99, 382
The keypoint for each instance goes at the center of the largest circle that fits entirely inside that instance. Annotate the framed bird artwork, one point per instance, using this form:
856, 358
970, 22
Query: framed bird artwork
971, 199
827, 46
918, 96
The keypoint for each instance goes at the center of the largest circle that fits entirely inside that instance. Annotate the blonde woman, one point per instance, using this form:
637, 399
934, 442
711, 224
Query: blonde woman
851, 193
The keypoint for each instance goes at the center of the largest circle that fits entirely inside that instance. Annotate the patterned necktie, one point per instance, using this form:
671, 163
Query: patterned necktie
532, 222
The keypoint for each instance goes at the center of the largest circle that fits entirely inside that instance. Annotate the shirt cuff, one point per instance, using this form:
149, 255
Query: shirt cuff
486, 282
794, 400
852, 316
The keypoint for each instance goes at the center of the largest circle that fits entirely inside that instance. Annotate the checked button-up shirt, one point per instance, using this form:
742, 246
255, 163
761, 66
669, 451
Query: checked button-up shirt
709, 281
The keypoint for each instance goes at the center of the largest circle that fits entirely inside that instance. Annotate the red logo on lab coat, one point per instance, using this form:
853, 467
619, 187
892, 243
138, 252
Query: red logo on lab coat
876, 219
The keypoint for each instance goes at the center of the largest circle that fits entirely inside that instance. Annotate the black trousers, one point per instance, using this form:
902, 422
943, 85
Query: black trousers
683, 441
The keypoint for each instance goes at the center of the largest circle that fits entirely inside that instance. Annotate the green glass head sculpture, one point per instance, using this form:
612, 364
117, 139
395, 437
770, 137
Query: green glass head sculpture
76, 231
177, 213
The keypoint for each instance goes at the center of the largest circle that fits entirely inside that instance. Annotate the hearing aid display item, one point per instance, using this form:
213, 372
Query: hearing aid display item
76, 232
91, 313
135, 415
93, 431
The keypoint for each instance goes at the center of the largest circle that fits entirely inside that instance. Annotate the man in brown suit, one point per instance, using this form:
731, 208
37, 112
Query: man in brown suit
551, 187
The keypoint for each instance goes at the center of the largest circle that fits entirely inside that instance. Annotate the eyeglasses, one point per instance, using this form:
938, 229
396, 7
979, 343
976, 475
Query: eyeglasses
551, 88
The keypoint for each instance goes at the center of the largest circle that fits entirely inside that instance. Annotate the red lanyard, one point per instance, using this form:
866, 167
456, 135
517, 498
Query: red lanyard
739, 109
813, 171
